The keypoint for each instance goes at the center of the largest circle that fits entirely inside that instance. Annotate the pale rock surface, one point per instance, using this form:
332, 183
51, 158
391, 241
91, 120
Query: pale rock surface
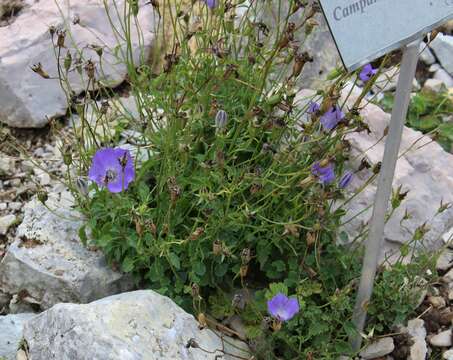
419, 349
448, 355
424, 169
442, 46
445, 77
130, 326
5, 223
388, 80
443, 339
319, 44
6, 165
48, 260
435, 85
379, 348
426, 55
11, 327
26, 42
445, 260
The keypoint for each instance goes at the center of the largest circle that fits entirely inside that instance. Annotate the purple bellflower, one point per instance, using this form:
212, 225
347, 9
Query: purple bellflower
112, 168
313, 107
282, 308
367, 73
331, 118
345, 179
211, 3
325, 174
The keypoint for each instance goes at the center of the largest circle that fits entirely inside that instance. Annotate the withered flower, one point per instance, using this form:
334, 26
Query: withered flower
61, 37
37, 68
90, 69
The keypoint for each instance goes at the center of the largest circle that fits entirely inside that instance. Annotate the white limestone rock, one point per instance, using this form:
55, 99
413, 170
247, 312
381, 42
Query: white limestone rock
424, 169
379, 348
6, 222
443, 48
11, 327
48, 260
130, 326
443, 339
426, 55
26, 42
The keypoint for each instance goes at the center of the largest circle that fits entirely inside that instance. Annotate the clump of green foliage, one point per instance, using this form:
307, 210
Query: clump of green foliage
225, 213
427, 111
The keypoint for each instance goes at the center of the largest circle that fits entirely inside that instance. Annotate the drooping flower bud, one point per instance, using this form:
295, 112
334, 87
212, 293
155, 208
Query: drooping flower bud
221, 120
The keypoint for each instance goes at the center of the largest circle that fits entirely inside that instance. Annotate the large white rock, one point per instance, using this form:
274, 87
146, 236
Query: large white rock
443, 48
426, 55
379, 348
130, 326
28, 100
424, 169
48, 261
419, 349
11, 327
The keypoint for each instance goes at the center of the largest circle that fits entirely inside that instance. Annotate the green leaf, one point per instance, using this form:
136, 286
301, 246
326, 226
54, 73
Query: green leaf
446, 130
83, 235
127, 265
174, 260
221, 269
425, 123
199, 268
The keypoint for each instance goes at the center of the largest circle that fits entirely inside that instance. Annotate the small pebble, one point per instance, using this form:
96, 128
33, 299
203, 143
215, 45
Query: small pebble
448, 355
437, 301
5, 222
443, 339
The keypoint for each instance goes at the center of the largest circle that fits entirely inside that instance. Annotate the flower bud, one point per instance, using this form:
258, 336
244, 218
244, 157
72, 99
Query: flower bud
42, 197
217, 247
221, 120
67, 61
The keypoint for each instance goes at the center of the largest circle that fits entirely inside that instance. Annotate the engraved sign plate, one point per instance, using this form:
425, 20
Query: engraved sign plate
366, 29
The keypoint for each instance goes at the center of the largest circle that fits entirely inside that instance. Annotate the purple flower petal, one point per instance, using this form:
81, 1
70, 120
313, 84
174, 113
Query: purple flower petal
211, 3
331, 118
313, 107
345, 179
325, 174
112, 168
367, 73
283, 308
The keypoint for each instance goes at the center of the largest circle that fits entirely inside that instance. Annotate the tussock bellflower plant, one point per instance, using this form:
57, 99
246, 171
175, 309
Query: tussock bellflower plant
331, 118
367, 73
113, 169
325, 174
283, 308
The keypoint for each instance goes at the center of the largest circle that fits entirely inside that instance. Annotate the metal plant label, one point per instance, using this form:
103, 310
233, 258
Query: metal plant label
366, 29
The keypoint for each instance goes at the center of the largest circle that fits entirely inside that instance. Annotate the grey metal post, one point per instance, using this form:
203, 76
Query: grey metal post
384, 189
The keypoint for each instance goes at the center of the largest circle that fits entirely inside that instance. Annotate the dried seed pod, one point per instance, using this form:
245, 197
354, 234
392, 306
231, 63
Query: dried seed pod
90, 69
195, 291
246, 256
196, 234
61, 38
217, 248
243, 270
202, 321
37, 68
